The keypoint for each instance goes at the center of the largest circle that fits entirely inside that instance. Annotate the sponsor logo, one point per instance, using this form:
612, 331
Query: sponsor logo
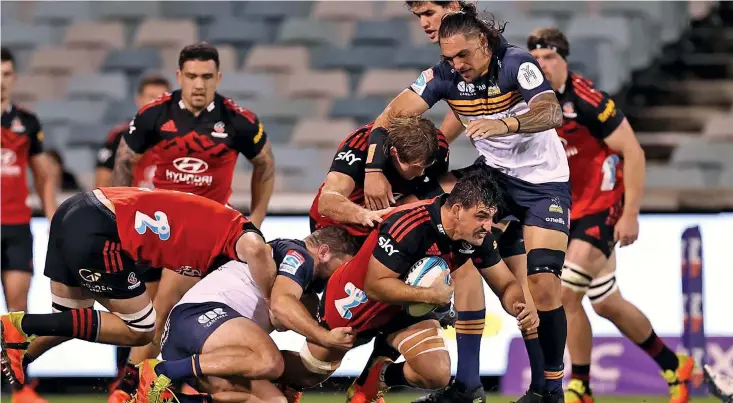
16, 126
568, 110
219, 131
354, 297
386, 244
347, 156
440, 228
131, 127
7, 163
555, 206
466, 248
608, 112
292, 262
190, 165
560, 221
212, 316
466, 89
89, 276
493, 90
134, 282
529, 76
422, 81
188, 271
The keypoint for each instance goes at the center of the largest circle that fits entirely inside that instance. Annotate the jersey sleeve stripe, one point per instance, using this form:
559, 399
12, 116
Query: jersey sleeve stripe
402, 219
241, 111
587, 97
412, 227
362, 143
399, 228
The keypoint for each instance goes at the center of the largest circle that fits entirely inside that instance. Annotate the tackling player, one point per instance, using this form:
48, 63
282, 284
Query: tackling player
195, 136
150, 88
22, 147
510, 112
367, 293
607, 177
97, 242
222, 324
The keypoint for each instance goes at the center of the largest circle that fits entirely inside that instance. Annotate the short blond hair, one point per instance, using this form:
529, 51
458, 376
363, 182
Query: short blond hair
415, 138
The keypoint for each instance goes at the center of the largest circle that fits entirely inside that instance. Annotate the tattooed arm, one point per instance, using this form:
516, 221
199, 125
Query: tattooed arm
544, 114
263, 183
125, 162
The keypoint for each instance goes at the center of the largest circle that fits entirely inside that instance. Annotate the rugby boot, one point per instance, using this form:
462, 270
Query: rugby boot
118, 396
719, 385
530, 397
14, 344
374, 386
679, 380
577, 392
354, 394
153, 388
27, 394
125, 385
454, 393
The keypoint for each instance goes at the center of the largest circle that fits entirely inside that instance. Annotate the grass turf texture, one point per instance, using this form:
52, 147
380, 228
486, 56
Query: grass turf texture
315, 397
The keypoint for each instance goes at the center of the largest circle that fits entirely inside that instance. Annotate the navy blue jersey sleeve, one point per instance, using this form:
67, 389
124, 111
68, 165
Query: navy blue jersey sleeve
432, 84
488, 254
400, 240
523, 70
350, 158
596, 109
297, 266
249, 137
143, 131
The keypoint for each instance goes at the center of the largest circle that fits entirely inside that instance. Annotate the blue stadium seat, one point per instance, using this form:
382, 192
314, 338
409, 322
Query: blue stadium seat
120, 111
247, 85
278, 133
356, 58
16, 35
66, 112
239, 32
87, 135
276, 10
126, 10
79, 160
416, 57
281, 110
59, 12
102, 86
362, 110
381, 33
198, 10
132, 61
307, 32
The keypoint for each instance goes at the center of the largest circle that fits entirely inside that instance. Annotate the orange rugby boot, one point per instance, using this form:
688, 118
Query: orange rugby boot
679, 380
153, 388
14, 345
374, 386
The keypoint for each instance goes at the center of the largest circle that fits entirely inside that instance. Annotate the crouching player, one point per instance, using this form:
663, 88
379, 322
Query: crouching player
97, 241
367, 293
217, 336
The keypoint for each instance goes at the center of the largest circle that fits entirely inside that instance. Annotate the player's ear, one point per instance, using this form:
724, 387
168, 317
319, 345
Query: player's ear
324, 253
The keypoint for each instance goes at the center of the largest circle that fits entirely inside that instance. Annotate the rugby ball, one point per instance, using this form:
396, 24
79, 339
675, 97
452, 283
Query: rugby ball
422, 274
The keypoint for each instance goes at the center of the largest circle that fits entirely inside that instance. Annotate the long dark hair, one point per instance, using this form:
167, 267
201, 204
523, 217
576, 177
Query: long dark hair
471, 25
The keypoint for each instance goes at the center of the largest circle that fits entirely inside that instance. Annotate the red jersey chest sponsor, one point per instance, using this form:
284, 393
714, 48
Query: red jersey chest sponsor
174, 230
596, 175
14, 150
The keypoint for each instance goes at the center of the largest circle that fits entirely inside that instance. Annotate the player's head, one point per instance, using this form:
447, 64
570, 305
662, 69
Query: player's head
431, 12
413, 144
198, 74
8, 71
551, 49
471, 206
150, 88
331, 247
467, 43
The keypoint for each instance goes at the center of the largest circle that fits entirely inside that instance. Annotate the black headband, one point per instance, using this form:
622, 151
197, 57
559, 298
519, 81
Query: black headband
539, 43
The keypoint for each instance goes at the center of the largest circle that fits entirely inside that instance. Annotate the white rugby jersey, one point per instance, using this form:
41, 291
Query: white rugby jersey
514, 78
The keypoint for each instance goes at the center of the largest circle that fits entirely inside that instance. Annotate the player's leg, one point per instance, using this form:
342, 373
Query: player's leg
17, 265
239, 390
426, 365
609, 303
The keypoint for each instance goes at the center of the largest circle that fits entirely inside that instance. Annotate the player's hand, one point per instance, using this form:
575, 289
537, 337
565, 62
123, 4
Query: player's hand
341, 338
441, 292
371, 218
377, 191
485, 128
527, 317
626, 230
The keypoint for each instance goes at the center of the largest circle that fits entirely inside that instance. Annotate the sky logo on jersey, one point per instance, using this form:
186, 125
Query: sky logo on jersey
159, 225
347, 156
292, 262
386, 244
422, 81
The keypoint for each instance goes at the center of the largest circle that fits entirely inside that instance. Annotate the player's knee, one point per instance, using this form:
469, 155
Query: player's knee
575, 283
273, 365
319, 370
600, 293
543, 266
427, 355
141, 325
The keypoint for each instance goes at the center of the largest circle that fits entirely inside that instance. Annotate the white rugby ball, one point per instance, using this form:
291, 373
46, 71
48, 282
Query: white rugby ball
422, 274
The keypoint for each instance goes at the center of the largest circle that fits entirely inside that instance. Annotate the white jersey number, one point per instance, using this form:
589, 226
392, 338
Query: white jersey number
354, 298
609, 172
159, 225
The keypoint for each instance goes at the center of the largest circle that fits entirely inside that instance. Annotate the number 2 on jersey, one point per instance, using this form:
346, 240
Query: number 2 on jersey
354, 298
159, 225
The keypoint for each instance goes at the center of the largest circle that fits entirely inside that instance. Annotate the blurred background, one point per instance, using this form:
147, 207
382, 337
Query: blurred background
315, 70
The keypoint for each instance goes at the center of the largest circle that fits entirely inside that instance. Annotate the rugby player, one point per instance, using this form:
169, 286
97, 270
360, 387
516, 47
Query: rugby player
97, 242
222, 324
367, 293
195, 136
720, 385
607, 177
510, 111
150, 88
22, 147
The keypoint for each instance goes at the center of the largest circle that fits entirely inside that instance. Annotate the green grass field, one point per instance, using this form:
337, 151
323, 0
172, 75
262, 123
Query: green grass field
392, 398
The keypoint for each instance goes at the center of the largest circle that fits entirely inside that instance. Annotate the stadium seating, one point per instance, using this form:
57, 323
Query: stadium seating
315, 70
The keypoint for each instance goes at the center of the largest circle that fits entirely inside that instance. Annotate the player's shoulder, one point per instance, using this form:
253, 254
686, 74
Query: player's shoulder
159, 105
27, 117
585, 91
240, 116
442, 140
357, 139
117, 131
513, 55
411, 217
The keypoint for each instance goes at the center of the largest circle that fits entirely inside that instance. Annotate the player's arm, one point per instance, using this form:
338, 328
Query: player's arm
451, 126
292, 314
252, 249
140, 136
252, 142
106, 161
46, 173
334, 203
426, 91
